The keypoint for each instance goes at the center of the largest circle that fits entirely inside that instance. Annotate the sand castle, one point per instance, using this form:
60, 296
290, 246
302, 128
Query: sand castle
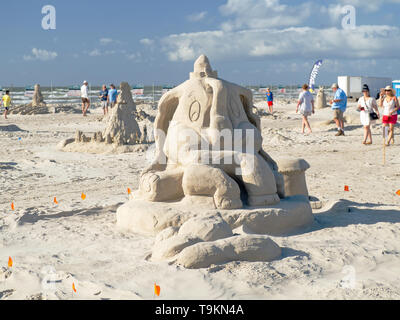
320, 102
211, 179
121, 133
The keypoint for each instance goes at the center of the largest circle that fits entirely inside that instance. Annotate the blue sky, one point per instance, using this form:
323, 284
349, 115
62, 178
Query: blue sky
247, 41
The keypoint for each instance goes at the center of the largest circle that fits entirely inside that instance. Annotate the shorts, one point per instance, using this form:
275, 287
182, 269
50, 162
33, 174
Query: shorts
6, 108
270, 103
306, 113
338, 114
104, 104
389, 119
85, 100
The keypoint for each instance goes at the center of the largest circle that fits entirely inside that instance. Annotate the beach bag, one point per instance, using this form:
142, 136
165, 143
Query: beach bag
372, 115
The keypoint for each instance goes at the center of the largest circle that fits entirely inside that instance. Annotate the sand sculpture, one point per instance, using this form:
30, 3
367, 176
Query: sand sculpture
321, 99
37, 99
211, 178
122, 129
38, 106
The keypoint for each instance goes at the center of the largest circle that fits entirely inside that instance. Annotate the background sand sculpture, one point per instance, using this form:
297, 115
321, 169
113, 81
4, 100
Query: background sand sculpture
192, 205
320, 101
39, 106
37, 99
122, 132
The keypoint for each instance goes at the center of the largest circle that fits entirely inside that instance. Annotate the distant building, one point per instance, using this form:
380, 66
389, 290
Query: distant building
353, 85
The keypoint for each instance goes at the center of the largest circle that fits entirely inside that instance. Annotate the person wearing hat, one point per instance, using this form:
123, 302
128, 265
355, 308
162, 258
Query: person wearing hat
270, 100
339, 105
85, 97
390, 106
366, 106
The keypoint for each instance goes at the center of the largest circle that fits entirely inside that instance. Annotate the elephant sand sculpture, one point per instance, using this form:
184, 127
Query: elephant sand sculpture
212, 194
202, 108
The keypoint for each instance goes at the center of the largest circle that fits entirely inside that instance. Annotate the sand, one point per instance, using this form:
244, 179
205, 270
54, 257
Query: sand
351, 252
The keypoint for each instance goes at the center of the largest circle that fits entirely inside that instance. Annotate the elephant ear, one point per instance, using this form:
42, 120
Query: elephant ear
247, 102
166, 110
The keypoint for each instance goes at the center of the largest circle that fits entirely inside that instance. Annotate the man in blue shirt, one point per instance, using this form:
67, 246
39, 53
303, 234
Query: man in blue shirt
112, 96
339, 105
104, 99
270, 100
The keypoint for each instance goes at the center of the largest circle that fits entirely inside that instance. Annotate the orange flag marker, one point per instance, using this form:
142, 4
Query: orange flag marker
73, 287
398, 192
12, 206
83, 196
55, 200
10, 262
346, 188
157, 290
129, 191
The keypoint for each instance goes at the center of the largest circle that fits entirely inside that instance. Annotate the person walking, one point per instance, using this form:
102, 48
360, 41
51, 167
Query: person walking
104, 99
369, 113
339, 105
390, 106
112, 96
85, 97
270, 100
6, 100
305, 105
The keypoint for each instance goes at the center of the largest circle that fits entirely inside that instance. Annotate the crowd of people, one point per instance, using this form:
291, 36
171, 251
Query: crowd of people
367, 106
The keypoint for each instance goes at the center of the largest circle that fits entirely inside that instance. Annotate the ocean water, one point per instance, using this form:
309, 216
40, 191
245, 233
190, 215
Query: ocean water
59, 95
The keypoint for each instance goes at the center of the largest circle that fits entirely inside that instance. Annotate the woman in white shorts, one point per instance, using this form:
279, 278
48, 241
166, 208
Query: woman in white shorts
366, 106
306, 107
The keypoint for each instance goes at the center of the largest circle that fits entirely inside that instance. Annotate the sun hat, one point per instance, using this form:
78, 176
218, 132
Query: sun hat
365, 88
389, 88
84, 82
335, 85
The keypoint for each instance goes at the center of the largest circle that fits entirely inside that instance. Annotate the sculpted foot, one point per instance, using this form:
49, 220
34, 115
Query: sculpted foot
264, 200
227, 203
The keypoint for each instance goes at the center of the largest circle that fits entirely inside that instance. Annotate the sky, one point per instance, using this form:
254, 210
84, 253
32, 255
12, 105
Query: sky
249, 42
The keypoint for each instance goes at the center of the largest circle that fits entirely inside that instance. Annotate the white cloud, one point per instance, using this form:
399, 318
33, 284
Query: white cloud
255, 14
95, 53
146, 41
41, 54
106, 41
134, 56
195, 17
300, 42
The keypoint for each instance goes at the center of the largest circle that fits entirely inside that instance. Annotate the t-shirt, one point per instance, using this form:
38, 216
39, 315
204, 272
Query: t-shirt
104, 94
306, 98
84, 92
6, 101
113, 93
342, 105
270, 97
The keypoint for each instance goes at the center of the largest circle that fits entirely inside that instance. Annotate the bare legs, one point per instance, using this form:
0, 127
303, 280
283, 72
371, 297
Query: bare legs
85, 107
339, 124
5, 114
305, 124
367, 134
391, 133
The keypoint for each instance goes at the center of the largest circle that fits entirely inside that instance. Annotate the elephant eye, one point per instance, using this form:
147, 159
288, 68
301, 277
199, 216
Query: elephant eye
202, 74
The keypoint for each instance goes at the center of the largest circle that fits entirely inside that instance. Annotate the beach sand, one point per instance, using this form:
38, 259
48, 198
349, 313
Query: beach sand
352, 251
